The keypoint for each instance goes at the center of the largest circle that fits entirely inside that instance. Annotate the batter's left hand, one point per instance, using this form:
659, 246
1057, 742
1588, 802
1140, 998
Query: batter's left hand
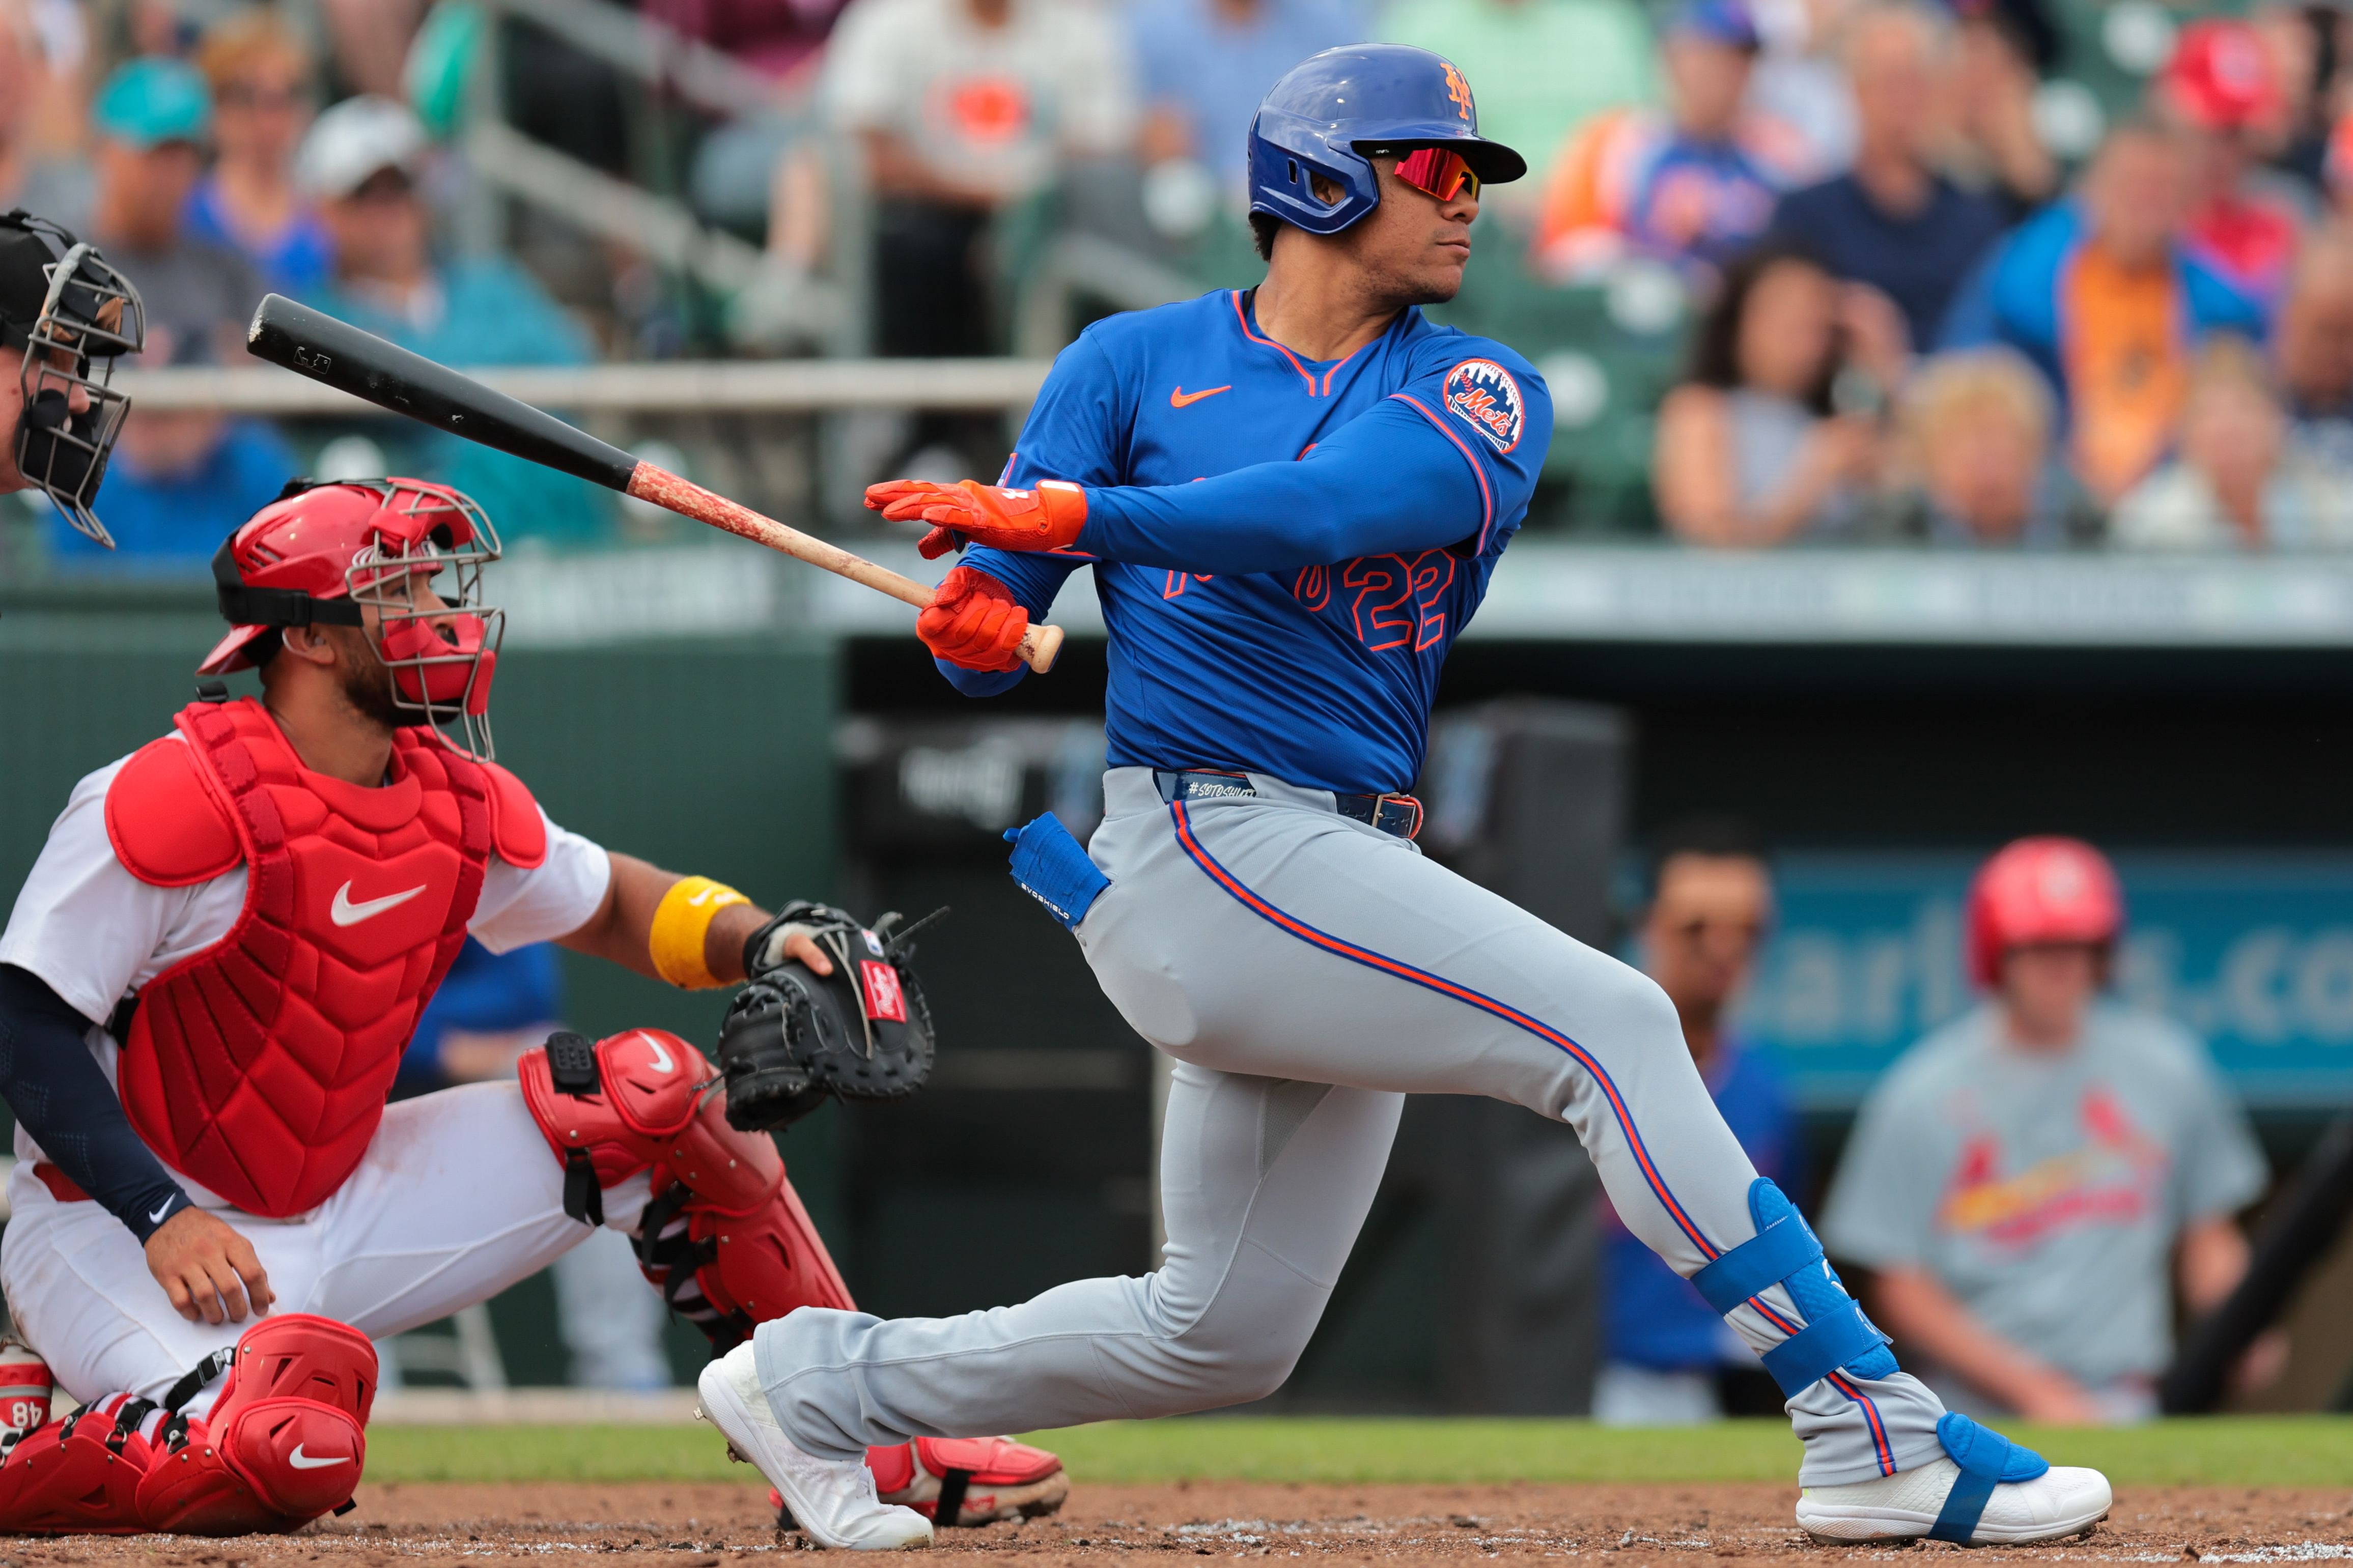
1048, 517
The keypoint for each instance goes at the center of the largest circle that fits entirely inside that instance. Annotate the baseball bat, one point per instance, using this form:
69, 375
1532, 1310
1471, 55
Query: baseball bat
343, 356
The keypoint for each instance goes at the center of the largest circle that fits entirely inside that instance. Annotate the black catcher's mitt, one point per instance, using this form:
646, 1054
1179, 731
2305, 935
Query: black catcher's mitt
792, 1036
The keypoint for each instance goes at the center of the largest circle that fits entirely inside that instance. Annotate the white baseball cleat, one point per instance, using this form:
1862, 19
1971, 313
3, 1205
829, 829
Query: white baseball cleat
2061, 1501
832, 1499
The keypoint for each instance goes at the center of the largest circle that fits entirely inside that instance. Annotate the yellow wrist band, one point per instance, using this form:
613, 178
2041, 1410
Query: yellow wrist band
681, 921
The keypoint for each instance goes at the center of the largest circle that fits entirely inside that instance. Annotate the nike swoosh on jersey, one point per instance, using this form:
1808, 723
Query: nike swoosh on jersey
1178, 397
345, 912
302, 1461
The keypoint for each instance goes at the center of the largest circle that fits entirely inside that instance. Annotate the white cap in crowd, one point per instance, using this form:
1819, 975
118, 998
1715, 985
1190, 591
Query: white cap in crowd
355, 139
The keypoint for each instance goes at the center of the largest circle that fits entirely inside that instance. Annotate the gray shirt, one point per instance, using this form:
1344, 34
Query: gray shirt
2046, 1190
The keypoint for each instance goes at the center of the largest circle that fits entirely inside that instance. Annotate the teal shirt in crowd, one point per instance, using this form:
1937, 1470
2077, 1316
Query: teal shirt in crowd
493, 313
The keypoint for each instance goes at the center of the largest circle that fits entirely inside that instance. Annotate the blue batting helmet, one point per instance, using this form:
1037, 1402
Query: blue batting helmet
1331, 108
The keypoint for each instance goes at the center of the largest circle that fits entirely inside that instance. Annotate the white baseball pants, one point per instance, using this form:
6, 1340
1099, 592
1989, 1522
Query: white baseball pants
456, 1199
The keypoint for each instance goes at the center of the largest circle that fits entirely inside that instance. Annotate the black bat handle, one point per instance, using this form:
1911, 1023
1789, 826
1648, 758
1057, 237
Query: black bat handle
310, 342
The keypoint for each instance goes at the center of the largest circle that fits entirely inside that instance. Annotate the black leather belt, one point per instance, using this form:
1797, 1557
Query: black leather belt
1397, 814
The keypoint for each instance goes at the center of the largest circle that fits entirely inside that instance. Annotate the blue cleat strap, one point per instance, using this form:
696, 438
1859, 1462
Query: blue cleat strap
1987, 1459
1839, 1336
1756, 1265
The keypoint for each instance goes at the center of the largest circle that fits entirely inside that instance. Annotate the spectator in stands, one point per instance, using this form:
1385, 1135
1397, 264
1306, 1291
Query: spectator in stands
261, 75
360, 164
2029, 1183
42, 168
2315, 345
1664, 1351
2102, 295
1893, 221
1544, 67
1749, 449
962, 107
180, 479
2240, 480
2221, 89
783, 42
1977, 428
151, 117
491, 1007
1206, 63
370, 39
1693, 185
2006, 46
1799, 82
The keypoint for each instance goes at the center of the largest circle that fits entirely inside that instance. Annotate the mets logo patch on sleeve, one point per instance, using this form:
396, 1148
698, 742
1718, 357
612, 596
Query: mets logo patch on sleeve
1483, 394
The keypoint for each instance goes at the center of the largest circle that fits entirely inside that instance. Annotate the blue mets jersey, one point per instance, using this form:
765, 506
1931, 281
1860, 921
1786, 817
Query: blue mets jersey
1284, 549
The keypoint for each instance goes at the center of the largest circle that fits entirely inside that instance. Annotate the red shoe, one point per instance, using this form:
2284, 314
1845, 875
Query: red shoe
982, 1479
969, 1480
79, 1475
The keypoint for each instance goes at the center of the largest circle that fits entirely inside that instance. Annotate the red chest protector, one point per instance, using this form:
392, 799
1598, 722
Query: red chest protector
259, 1065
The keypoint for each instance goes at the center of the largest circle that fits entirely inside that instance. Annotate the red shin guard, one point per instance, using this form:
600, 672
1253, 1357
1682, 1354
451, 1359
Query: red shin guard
284, 1442
725, 1238
79, 1475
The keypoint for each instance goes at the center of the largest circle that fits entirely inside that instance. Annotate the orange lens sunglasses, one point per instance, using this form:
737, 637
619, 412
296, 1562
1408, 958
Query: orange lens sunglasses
1438, 173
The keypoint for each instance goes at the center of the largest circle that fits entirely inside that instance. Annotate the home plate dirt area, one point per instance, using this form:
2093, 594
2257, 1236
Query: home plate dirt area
703, 1525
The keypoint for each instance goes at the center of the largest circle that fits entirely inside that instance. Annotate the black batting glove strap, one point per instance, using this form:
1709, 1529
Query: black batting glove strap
53, 1084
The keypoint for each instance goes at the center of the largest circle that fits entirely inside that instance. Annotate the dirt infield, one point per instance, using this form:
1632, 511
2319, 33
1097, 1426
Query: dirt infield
702, 1525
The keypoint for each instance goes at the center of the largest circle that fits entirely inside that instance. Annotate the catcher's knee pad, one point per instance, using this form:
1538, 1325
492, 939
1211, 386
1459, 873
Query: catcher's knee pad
79, 1475
725, 1238
284, 1442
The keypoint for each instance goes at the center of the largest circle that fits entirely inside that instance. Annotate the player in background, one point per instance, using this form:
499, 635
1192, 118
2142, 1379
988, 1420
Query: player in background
1292, 497
69, 316
206, 987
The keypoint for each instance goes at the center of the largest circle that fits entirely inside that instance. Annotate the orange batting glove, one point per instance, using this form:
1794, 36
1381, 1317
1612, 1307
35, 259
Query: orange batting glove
972, 623
1048, 517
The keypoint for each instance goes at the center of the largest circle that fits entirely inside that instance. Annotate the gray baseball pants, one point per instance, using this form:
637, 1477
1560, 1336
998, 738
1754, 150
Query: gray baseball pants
1308, 971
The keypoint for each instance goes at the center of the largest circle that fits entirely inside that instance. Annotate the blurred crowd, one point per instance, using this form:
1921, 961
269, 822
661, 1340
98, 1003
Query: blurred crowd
1916, 281
2033, 1195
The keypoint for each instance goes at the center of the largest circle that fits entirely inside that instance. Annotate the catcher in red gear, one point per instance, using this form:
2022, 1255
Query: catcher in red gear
205, 989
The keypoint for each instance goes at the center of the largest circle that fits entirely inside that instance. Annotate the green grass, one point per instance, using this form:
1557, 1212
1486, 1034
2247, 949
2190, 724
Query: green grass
2304, 1451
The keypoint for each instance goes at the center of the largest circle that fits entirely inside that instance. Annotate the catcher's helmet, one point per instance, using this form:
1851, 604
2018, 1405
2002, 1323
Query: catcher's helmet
324, 553
1331, 109
2039, 891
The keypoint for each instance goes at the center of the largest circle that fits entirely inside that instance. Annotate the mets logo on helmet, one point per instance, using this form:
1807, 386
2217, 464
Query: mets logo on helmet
1483, 394
1457, 89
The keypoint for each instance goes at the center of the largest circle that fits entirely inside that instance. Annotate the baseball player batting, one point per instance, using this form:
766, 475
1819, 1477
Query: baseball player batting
205, 988
1292, 497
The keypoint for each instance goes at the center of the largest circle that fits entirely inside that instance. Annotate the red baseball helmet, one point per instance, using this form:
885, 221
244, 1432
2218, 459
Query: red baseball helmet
327, 553
2039, 891
2221, 77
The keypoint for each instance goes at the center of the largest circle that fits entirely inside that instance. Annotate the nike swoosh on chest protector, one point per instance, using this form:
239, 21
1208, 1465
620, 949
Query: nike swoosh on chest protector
345, 912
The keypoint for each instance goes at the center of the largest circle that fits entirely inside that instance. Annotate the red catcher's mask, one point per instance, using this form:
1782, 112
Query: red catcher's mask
331, 552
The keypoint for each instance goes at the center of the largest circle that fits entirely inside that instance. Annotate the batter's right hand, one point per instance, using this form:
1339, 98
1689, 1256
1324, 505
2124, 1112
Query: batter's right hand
208, 1271
973, 622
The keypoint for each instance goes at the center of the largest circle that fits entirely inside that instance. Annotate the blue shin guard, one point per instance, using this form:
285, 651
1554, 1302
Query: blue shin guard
1785, 1252
1987, 1459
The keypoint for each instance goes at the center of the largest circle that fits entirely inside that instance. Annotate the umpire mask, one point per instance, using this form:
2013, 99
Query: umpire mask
70, 315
